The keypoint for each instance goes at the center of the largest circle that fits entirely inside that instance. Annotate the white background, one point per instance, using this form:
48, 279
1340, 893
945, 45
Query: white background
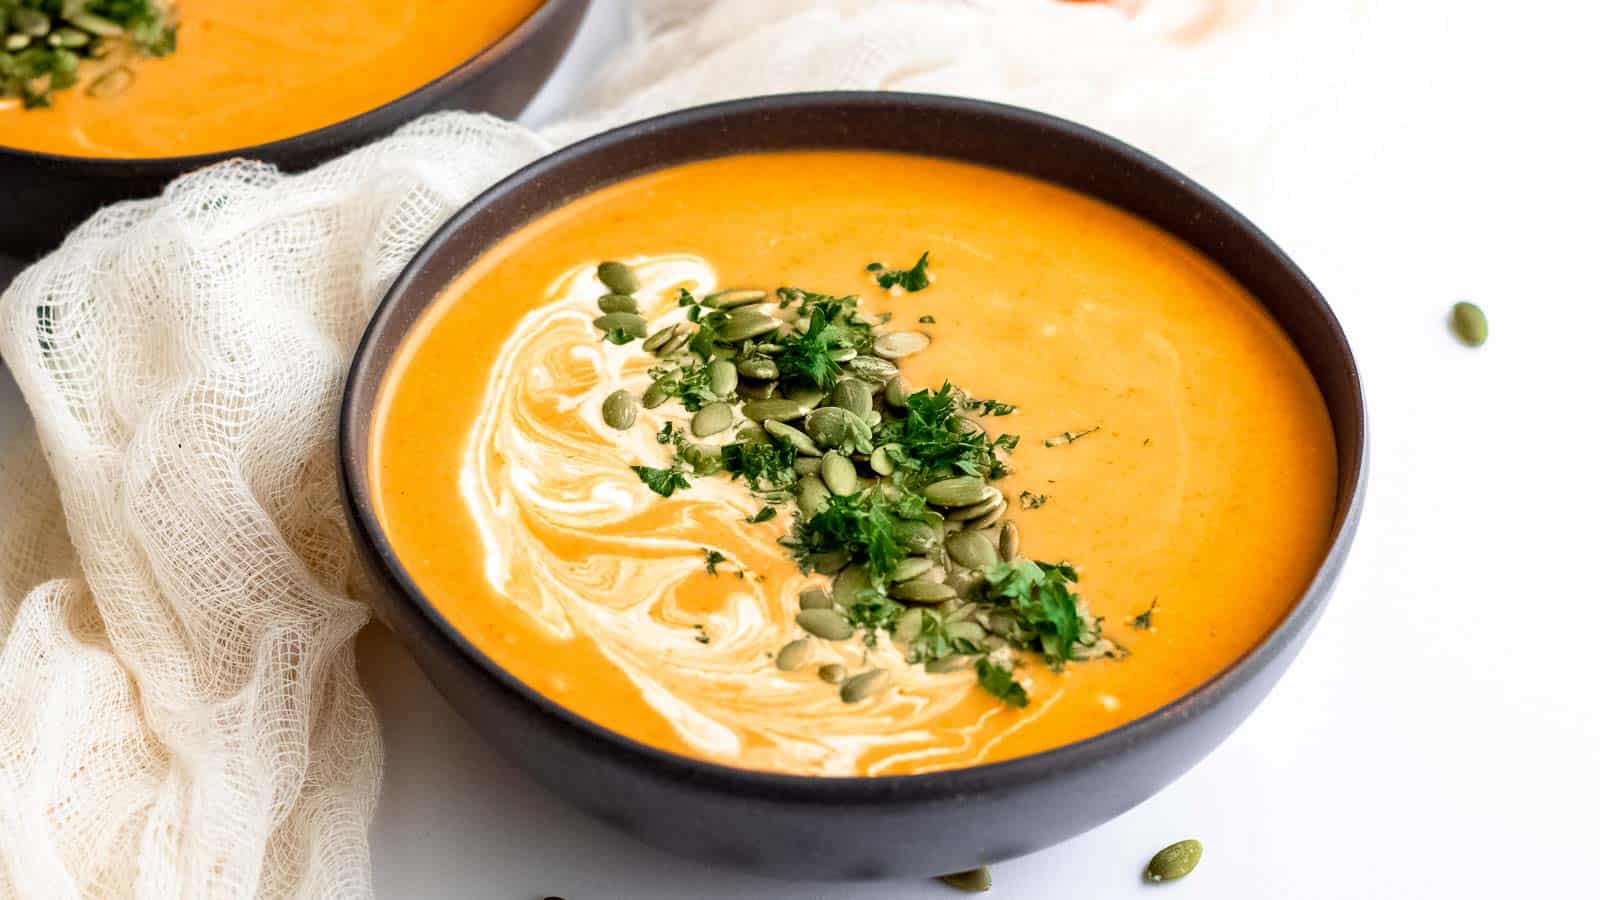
1439, 737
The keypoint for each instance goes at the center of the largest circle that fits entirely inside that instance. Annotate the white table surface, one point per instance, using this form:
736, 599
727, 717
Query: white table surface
1439, 736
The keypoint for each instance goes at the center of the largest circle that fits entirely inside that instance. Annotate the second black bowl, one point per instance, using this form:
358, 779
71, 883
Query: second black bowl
45, 195
851, 828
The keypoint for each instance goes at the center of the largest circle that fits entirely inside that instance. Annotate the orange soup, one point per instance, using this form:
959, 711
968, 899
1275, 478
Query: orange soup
1168, 441
246, 72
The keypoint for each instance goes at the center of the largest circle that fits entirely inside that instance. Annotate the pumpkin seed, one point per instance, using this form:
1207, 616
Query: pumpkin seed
859, 687
757, 390
1469, 323
611, 303
918, 537
660, 337
843, 354
1174, 862
962, 490
811, 495
808, 465
922, 592
807, 397
95, 25
618, 277
656, 394
829, 562
894, 393
970, 632
988, 518
1010, 541
828, 624
832, 673
815, 598
973, 881
627, 323
850, 583
936, 573
900, 344
965, 582
839, 474
909, 626
620, 410
733, 297
678, 342
971, 549
990, 499
758, 367
30, 21
17, 41
111, 84
881, 462
794, 654
70, 38
723, 377
873, 370
802, 444
712, 419
910, 567
831, 426
743, 328
854, 395
778, 408
955, 662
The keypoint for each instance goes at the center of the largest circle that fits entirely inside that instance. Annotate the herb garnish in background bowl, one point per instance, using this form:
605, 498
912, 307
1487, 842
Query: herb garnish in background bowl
49, 45
892, 489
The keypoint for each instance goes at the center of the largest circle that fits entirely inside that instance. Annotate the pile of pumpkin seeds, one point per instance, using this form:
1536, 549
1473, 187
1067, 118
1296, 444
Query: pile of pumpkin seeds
893, 490
44, 44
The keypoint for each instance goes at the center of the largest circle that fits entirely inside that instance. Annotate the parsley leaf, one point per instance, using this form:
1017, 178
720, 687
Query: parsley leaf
997, 680
713, 557
1142, 620
991, 407
662, 481
934, 440
861, 526
1040, 595
1030, 500
764, 514
913, 279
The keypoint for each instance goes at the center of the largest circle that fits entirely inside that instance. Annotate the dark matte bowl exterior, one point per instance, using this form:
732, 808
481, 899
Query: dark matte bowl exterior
851, 828
43, 196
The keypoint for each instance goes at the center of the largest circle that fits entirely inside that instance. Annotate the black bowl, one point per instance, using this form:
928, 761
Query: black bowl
47, 195
850, 828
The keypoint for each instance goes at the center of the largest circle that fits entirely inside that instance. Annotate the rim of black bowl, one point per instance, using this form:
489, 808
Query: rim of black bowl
792, 788
333, 134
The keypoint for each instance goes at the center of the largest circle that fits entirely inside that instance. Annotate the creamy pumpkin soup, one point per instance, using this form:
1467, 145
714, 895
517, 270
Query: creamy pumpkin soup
852, 463
148, 78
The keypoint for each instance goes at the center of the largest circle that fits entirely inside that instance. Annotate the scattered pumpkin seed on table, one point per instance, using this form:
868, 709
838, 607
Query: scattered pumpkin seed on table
1469, 323
973, 881
1174, 861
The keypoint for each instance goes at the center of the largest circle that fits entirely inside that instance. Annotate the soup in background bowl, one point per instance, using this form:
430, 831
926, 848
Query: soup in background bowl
1135, 460
122, 107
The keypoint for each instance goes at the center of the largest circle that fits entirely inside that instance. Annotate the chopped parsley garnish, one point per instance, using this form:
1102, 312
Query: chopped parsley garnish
997, 680
858, 525
832, 327
928, 320
765, 466
713, 557
1040, 595
764, 514
662, 481
1030, 500
1142, 620
913, 279
934, 440
991, 407
1068, 437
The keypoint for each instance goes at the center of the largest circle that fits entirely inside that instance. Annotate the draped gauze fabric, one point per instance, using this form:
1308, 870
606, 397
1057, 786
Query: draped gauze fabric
180, 714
